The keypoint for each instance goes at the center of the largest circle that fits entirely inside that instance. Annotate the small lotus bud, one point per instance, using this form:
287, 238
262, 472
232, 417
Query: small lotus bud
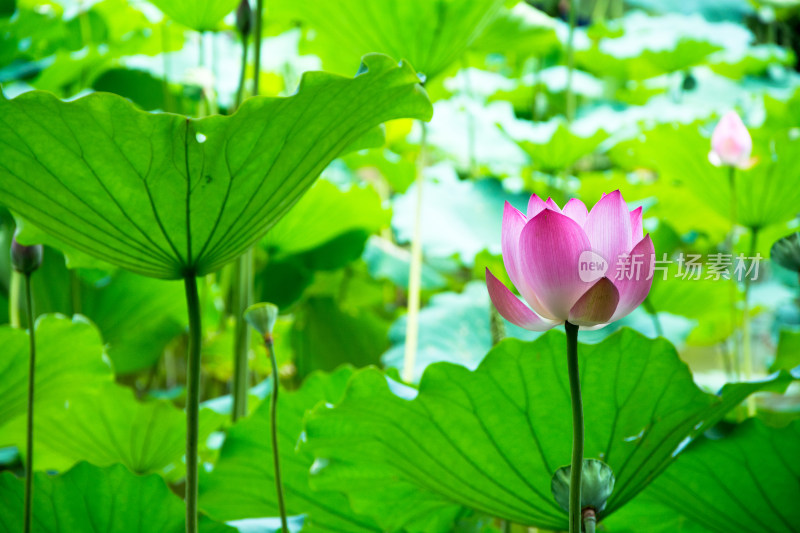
597, 484
786, 252
25, 259
262, 317
731, 143
244, 18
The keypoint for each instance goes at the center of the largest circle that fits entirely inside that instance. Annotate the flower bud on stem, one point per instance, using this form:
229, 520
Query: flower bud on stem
25, 260
262, 317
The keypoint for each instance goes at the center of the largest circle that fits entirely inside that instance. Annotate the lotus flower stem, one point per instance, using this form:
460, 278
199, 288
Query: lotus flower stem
415, 270
192, 400
733, 288
29, 426
570, 96
577, 429
273, 419
747, 350
653, 312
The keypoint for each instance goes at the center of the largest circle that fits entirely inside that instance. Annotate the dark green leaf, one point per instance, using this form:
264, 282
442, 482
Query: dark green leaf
745, 482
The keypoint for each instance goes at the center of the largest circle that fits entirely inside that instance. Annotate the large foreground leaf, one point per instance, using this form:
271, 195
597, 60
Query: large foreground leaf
99, 500
491, 439
748, 481
69, 357
430, 34
242, 485
168, 196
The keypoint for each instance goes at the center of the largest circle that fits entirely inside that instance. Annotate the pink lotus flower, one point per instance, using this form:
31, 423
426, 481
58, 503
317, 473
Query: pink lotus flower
588, 268
730, 143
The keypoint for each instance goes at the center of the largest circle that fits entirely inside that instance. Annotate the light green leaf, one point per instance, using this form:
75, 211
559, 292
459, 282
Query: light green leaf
101, 500
553, 147
242, 483
431, 35
110, 426
200, 15
69, 357
748, 481
490, 440
787, 356
167, 196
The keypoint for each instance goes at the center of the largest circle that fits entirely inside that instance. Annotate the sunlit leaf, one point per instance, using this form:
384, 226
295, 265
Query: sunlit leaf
458, 443
431, 35
112, 189
110, 426
200, 15
69, 357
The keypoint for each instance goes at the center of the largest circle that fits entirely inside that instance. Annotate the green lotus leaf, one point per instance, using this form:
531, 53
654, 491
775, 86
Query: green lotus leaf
490, 440
167, 196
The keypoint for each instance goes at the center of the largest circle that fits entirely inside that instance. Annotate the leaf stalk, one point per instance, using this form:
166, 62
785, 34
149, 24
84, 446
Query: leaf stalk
192, 400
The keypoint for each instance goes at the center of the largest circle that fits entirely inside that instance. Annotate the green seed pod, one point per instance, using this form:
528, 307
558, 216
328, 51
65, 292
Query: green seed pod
262, 317
786, 252
597, 484
25, 259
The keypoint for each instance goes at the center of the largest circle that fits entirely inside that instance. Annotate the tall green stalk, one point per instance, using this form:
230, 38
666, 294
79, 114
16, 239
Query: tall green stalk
29, 424
570, 96
415, 270
747, 349
243, 294
576, 465
192, 400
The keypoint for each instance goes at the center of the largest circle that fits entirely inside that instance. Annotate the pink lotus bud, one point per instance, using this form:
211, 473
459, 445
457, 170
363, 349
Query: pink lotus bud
588, 268
730, 143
